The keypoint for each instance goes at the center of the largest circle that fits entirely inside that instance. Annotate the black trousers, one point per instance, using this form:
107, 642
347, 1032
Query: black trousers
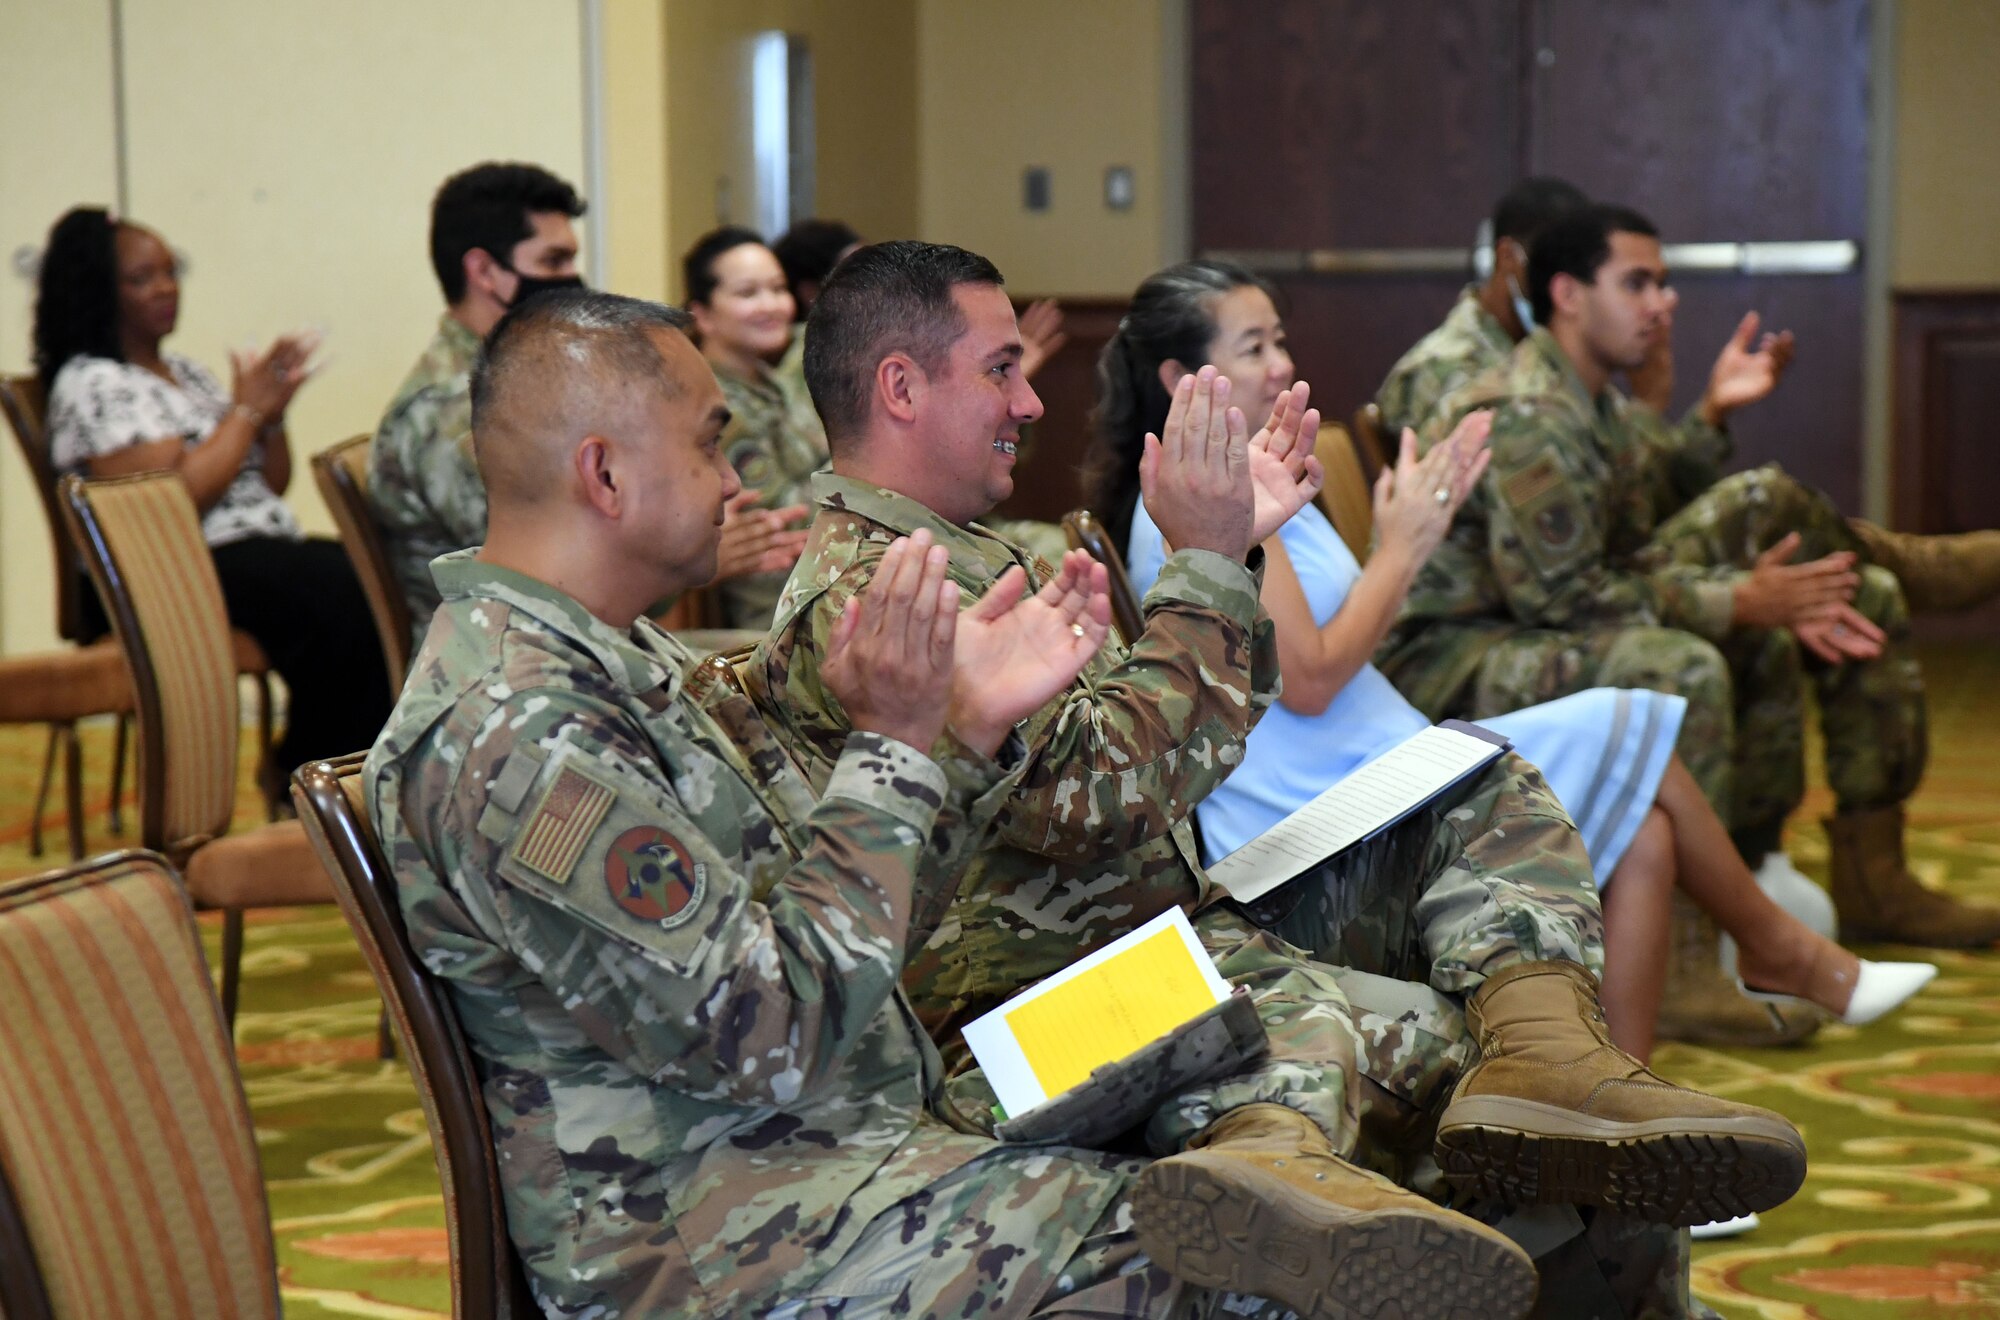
303, 604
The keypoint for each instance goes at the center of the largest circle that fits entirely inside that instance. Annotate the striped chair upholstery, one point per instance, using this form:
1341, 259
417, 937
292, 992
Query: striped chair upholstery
124, 1133
342, 475
141, 539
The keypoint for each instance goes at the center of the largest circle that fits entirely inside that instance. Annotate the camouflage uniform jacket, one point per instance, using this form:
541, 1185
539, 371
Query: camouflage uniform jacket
1471, 342
1095, 841
1554, 536
425, 488
676, 962
775, 442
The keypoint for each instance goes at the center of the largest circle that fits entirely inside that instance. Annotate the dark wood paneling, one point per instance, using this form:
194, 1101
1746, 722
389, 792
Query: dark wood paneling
1354, 123
1048, 477
1947, 395
1726, 121
1720, 119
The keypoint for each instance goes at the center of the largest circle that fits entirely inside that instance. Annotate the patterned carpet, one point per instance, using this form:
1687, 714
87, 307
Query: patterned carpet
1900, 1216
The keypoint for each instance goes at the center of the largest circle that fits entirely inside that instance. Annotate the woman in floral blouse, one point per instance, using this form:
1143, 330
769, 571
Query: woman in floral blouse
118, 404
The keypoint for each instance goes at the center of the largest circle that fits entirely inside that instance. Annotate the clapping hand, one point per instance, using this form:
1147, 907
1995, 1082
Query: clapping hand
1015, 654
889, 657
1042, 335
1283, 470
1195, 475
1743, 375
758, 540
1416, 499
1811, 599
265, 382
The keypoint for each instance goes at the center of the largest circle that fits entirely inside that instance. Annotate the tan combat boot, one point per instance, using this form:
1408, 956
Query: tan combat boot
1878, 898
1554, 1112
1703, 1006
1259, 1203
1937, 573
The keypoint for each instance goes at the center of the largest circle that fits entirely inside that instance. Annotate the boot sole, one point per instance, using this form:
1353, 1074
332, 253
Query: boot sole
1879, 935
1667, 1171
1246, 1231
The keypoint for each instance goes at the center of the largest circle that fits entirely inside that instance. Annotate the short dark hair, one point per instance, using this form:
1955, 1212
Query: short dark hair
611, 329
887, 298
487, 207
76, 295
810, 249
1577, 244
1532, 203
698, 278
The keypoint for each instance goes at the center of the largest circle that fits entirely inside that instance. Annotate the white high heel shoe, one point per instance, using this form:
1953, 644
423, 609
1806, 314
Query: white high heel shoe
1879, 989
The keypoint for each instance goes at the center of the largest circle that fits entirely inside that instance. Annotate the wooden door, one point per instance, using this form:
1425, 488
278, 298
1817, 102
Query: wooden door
1393, 128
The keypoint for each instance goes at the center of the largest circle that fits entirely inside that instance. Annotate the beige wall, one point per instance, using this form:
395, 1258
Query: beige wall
1074, 87
865, 104
290, 152
54, 55
1947, 143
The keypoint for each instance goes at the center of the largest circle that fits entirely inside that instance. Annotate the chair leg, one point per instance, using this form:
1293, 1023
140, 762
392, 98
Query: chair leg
118, 751
42, 794
232, 963
267, 776
385, 1040
73, 790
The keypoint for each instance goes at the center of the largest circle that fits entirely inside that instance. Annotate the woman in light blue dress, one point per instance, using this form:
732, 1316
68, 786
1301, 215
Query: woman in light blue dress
1607, 753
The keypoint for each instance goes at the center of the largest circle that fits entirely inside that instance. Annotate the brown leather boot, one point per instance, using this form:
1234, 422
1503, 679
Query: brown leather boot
1702, 1006
1259, 1203
1553, 1112
1878, 898
1937, 573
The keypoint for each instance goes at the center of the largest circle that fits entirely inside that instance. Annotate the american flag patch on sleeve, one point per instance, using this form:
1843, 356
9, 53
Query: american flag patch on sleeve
554, 837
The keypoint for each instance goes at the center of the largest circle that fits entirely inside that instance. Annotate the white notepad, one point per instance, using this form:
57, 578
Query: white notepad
1371, 799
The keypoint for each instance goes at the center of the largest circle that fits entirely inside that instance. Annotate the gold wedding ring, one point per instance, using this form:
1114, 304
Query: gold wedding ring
1076, 628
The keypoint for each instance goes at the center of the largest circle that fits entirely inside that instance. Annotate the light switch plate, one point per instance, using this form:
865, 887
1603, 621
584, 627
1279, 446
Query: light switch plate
1118, 187
1035, 188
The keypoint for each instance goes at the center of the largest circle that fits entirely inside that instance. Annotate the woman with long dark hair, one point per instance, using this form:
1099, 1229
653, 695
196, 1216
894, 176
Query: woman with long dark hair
119, 403
1608, 753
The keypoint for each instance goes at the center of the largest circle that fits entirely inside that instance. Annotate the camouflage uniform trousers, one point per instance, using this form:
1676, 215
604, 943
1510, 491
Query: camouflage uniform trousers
1742, 738
1418, 904
950, 1251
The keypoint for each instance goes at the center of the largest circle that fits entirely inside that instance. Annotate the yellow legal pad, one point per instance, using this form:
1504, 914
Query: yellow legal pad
1131, 999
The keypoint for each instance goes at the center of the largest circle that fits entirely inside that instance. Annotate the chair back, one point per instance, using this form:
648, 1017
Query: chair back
1087, 534
486, 1277
141, 540
22, 400
1372, 440
124, 1132
1347, 499
341, 473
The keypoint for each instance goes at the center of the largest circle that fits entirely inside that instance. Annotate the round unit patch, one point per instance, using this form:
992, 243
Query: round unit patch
651, 876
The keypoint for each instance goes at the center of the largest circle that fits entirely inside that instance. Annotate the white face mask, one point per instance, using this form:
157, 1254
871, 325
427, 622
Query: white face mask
1523, 309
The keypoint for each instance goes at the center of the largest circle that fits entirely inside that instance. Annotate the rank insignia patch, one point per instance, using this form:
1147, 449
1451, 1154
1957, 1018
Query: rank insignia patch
651, 876
561, 826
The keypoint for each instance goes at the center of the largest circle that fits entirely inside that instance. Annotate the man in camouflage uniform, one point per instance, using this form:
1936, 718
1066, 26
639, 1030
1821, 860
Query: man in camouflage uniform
499, 232
1560, 573
679, 963
911, 358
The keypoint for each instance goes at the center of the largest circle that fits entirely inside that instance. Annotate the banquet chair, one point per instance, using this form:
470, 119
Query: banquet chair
141, 541
131, 1185
486, 1276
